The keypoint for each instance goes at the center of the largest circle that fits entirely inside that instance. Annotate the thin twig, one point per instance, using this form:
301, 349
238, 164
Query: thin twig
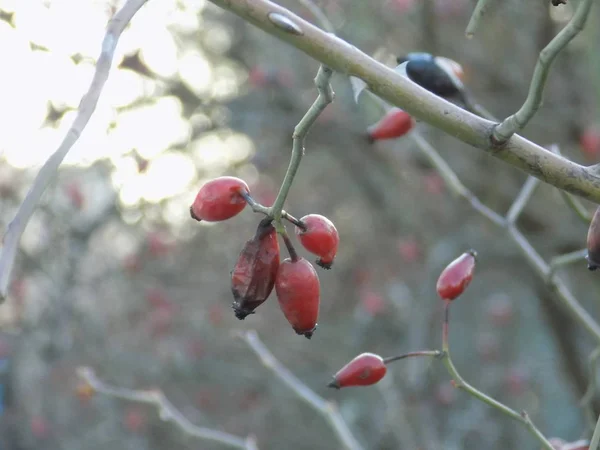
326, 408
452, 180
566, 259
324, 98
572, 202
588, 397
87, 106
478, 13
595, 437
166, 411
460, 383
522, 199
319, 15
434, 353
258, 208
509, 126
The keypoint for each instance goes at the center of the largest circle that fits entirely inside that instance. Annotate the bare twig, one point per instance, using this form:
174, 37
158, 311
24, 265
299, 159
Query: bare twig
522, 199
460, 383
518, 120
87, 106
167, 412
588, 397
595, 437
480, 10
324, 98
326, 408
418, 102
319, 15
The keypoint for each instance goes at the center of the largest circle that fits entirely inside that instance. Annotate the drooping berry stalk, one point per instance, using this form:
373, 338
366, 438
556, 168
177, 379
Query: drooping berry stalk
257, 207
325, 97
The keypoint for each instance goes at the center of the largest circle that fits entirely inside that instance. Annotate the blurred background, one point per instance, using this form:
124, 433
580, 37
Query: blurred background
114, 274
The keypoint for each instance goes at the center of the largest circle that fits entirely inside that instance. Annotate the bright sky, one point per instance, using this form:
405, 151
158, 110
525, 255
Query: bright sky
131, 114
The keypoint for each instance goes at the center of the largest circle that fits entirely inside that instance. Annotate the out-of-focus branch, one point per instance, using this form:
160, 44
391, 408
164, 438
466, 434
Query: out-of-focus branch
509, 126
541, 267
166, 411
400, 91
319, 15
326, 408
478, 13
87, 106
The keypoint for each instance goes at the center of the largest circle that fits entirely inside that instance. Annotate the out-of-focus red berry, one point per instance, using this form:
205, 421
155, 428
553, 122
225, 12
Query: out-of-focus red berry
445, 394
132, 263
158, 244
84, 392
75, 194
455, 278
298, 292
364, 370
409, 249
517, 381
320, 238
394, 124
134, 420
434, 183
253, 276
219, 199
373, 303
593, 242
40, 428
500, 310
590, 143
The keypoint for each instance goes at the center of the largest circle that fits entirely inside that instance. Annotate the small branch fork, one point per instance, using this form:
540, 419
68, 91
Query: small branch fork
326, 408
167, 412
87, 106
512, 124
325, 97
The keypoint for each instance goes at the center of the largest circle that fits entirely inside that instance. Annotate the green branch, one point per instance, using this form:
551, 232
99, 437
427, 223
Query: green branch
518, 120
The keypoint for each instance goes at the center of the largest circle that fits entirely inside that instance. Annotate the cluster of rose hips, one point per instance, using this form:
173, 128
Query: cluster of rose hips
369, 368
258, 269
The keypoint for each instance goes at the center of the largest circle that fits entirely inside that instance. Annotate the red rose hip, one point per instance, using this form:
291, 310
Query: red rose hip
253, 276
593, 242
364, 370
320, 238
219, 199
394, 124
455, 278
298, 291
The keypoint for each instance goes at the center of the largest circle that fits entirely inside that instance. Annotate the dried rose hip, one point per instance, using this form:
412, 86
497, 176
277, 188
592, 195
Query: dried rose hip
253, 276
364, 370
298, 292
394, 124
219, 199
593, 242
320, 238
455, 278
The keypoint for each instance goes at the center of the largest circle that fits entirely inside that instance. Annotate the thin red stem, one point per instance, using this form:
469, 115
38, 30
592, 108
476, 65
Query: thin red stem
434, 353
445, 326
